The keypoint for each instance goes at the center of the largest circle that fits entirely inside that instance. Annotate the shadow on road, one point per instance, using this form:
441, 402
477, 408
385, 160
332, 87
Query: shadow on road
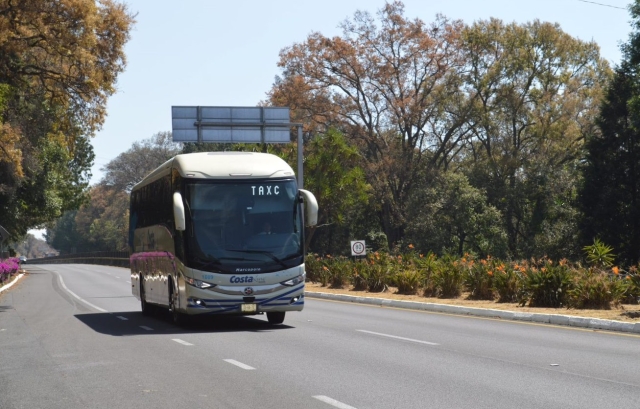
134, 323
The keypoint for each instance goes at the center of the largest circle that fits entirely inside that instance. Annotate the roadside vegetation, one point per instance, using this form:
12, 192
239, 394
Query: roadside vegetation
533, 283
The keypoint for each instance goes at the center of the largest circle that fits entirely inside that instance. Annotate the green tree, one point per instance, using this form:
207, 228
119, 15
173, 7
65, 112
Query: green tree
610, 194
451, 216
537, 97
334, 175
105, 220
62, 234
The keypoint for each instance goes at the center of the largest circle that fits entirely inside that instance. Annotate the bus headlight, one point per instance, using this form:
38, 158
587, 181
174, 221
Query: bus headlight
293, 281
198, 283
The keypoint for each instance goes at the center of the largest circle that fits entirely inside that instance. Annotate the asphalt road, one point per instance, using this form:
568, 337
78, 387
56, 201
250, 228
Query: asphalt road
72, 336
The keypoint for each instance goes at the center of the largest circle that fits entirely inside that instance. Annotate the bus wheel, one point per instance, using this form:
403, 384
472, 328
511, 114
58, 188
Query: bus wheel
276, 317
144, 306
177, 317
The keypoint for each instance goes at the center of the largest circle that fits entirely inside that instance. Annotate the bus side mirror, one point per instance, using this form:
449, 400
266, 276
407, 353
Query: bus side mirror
178, 212
310, 207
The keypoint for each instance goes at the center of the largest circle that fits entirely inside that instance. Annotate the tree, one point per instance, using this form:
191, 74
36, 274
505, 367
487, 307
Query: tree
389, 90
610, 194
72, 50
451, 216
62, 235
58, 65
130, 167
537, 94
334, 175
99, 225
103, 223
32, 247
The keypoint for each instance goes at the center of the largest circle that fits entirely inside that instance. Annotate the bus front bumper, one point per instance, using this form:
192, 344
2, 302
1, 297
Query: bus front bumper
292, 300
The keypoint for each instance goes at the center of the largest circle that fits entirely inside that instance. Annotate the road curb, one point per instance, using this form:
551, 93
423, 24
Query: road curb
553, 319
15, 280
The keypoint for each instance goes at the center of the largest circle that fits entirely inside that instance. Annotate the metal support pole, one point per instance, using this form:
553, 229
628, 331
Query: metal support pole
262, 121
198, 124
300, 158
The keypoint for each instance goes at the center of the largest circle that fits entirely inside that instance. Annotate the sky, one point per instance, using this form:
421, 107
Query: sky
225, 53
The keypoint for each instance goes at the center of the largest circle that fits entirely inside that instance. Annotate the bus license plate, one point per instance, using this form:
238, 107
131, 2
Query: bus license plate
248, 307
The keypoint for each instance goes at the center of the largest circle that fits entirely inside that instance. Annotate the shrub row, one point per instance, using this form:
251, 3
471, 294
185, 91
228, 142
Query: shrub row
535, 283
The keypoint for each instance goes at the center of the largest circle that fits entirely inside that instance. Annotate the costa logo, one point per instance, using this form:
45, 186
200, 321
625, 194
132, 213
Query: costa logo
240, 280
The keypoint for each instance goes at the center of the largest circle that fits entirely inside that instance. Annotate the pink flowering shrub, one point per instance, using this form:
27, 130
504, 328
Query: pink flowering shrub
8, 267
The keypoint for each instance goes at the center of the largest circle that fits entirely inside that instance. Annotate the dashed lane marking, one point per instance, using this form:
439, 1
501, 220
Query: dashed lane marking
396, 337
179, 341
144, 327
333, 402
123, 318
239, 364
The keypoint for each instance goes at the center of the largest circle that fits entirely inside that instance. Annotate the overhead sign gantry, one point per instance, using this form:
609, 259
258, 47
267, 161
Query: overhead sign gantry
235, 125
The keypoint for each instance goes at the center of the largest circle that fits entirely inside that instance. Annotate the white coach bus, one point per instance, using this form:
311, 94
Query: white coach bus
220, 233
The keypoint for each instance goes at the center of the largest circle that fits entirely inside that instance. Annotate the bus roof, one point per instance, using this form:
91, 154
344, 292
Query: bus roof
222, 165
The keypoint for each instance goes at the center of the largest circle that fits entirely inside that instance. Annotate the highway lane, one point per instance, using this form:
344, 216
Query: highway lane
59, 351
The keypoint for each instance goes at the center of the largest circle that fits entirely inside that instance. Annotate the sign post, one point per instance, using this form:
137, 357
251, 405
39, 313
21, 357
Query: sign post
235, 125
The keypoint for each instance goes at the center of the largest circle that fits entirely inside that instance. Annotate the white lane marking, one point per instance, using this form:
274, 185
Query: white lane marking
146, 328
396, 337
239, 364
79, 298
333, 402
123, 318
117, 276
179, 341
129, 282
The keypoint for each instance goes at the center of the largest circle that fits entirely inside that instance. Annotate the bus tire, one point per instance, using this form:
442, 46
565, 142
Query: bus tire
144, 305
177, 317
275, 317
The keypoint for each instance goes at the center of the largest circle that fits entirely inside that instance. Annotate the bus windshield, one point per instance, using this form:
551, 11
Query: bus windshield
252, 226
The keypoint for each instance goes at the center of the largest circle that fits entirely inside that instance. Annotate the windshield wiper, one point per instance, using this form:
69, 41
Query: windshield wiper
266, 253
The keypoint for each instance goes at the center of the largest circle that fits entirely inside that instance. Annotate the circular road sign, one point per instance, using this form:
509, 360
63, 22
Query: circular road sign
358, 248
